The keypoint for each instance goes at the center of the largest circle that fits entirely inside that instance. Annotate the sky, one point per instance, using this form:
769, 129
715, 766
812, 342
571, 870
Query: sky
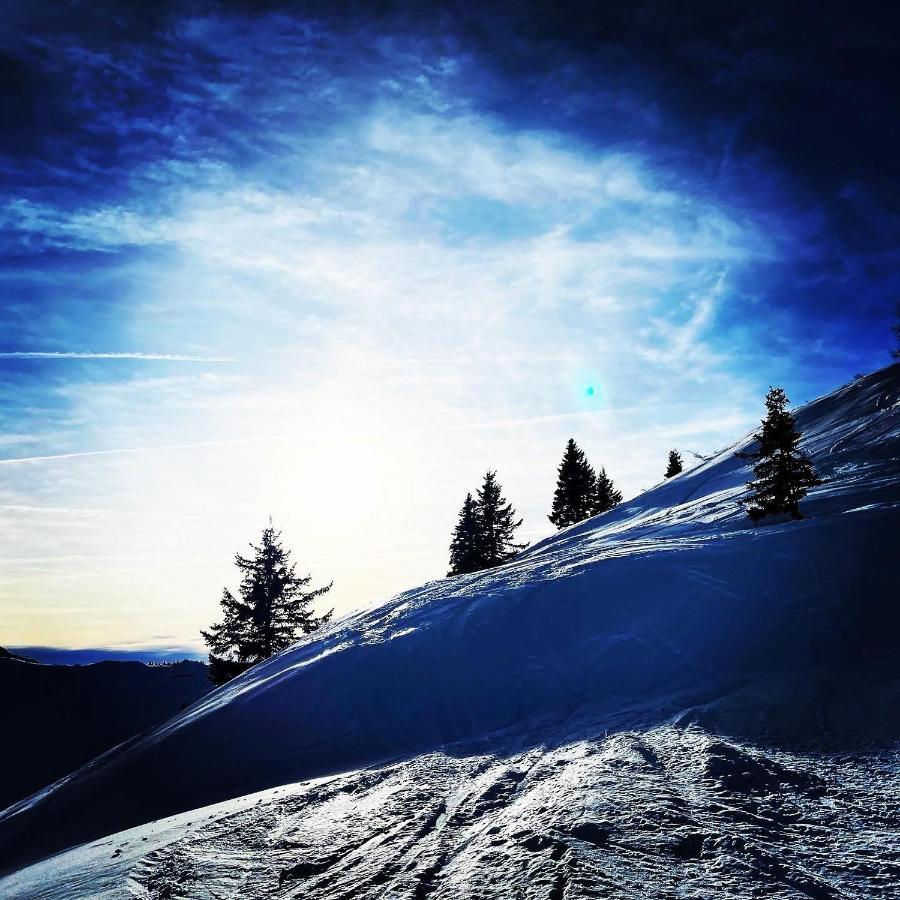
329, 263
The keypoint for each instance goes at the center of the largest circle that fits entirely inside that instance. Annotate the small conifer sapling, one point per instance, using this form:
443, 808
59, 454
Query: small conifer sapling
676, 465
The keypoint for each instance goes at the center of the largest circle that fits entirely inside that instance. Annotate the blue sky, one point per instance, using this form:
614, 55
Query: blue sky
333, 267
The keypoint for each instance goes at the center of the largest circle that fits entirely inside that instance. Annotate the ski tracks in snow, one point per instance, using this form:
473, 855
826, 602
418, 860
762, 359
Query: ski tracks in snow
690, 813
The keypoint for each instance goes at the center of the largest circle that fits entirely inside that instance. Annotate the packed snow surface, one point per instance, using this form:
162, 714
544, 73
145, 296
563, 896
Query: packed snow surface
666, 812
662, 701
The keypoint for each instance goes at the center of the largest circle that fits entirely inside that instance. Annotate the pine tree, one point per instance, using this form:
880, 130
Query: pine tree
573, 499
497, 525
605, 494
267, 616
783, 473
676, 466
465, 550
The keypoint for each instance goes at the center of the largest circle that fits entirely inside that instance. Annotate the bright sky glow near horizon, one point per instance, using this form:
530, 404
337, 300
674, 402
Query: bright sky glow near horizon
270, 263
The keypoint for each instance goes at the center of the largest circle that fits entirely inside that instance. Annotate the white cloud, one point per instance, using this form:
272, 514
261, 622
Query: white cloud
413, 299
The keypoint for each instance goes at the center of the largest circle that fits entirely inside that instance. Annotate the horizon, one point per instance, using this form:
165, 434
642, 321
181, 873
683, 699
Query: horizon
332, 268
79, 656
150, 652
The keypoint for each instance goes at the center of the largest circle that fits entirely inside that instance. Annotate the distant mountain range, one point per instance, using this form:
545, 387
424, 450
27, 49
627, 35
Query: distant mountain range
61, 656
58, 717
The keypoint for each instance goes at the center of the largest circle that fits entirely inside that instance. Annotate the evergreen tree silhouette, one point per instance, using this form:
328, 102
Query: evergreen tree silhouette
605, 494
573, 500
676, 466
497, 524
783, 473
465, 550
270, 611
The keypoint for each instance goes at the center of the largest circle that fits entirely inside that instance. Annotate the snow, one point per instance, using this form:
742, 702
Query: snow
689, 813
628, 700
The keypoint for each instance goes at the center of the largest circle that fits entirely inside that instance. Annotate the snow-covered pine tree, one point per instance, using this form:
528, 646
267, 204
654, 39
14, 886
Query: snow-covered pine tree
497, 524
605, 494
573, 500
783, 473
676, 465
465, 551
270, 611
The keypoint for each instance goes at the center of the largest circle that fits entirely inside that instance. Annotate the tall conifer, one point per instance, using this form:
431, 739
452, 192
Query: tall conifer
606, 497
465, 551
266, 617
497, 524
783, 473
573, 500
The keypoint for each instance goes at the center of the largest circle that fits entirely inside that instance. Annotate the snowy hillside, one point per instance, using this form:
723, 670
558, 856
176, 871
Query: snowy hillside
56, 718
662, 693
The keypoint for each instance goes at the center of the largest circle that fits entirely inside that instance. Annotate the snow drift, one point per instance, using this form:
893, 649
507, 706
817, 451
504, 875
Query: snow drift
672, 602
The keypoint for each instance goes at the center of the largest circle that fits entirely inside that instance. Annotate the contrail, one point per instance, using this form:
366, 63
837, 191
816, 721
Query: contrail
266, 439
150, 357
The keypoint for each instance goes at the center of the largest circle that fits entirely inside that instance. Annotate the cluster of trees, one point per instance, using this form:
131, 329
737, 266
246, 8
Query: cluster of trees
274, 604
484, 536
783, 475
580, 491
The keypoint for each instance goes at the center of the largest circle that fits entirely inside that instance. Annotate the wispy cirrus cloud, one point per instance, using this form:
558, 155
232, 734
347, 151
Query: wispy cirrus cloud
415, 291
92, 355
413, 270
347, 435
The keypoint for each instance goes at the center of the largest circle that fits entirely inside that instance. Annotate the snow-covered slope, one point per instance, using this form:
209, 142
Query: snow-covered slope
664, 812
550, 698
56, 718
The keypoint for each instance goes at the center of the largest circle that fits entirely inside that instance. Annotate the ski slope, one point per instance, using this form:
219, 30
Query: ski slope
664, 692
